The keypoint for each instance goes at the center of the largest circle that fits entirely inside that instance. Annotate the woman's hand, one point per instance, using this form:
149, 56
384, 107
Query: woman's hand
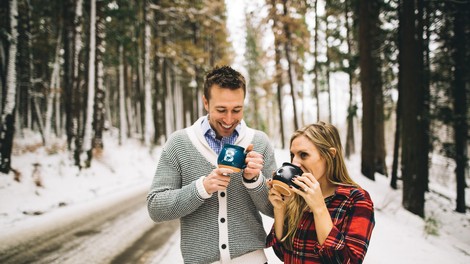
279, 203
312, 193
278, 200
310, 190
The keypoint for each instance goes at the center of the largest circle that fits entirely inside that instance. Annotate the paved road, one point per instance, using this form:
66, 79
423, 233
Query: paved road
114, 231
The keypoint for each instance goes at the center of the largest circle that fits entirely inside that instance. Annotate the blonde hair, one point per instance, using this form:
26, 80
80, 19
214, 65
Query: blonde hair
324, 136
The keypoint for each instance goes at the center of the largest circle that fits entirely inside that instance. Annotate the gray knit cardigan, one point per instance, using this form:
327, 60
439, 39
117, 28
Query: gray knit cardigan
185, 158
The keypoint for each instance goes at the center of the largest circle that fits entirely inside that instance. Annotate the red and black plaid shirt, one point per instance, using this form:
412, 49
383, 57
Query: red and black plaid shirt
352, 212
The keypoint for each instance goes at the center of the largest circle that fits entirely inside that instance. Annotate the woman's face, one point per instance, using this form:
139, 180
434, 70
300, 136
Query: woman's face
306, 155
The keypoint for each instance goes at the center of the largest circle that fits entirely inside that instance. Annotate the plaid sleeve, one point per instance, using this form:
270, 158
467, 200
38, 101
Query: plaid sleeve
272, 241
349, 240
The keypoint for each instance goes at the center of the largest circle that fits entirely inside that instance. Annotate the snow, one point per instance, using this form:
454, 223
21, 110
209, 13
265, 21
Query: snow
399, 236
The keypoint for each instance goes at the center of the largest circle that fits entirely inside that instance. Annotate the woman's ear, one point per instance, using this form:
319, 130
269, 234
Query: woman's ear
332, 152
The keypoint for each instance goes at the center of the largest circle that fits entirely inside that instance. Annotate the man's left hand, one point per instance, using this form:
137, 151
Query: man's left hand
254, 163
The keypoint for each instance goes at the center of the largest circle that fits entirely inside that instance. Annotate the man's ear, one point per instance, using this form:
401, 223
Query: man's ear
206, 103
332, 152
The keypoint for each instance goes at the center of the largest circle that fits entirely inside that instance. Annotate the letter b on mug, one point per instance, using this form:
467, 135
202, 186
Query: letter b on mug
232, 157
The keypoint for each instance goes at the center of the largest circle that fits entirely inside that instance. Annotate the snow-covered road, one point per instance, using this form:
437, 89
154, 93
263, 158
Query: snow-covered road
98, 231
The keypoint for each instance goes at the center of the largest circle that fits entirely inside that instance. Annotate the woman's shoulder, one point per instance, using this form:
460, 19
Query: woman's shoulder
353, 192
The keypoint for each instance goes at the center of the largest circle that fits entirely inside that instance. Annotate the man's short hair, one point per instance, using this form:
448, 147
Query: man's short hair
225, 77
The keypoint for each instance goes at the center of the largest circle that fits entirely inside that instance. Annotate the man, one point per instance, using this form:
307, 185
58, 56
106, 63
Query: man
219, 210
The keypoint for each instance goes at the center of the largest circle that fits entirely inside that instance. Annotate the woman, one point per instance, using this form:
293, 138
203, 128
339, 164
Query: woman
329, 219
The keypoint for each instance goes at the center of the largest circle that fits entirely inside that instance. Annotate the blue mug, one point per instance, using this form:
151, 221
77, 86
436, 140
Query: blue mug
232, 157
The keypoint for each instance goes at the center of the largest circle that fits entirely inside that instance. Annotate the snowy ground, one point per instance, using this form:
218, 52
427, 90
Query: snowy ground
399, 236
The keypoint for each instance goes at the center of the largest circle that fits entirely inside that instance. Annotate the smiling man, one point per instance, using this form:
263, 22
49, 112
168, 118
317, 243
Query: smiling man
219, 210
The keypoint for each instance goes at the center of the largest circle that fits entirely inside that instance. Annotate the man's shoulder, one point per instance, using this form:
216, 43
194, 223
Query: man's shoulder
260, 135
177, 137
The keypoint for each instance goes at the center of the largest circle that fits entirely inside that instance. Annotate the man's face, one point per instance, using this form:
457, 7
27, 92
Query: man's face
225, 108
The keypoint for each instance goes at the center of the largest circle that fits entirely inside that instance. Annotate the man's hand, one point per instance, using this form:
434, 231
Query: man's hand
217, 180
254, 163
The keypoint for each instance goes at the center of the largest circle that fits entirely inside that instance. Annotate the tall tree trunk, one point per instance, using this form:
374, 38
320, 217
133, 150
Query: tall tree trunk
278, 69
148, 124
279, 85
72, 87
352, 107
68, 12
460, 92
328, 88
398, 113
88, 126
24, 71
178, 100
380, 151
398, 131
4, 8
169, 99
100, 94
163, 97
424, 92
53, 89
414, 183
287, 50
367, 18
122, 99
7, 128
158, 99
315, 58
132, 93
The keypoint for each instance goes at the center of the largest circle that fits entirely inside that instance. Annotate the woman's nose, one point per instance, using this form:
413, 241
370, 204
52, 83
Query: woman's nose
295, 161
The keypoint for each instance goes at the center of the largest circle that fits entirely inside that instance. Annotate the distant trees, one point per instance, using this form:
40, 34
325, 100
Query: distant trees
79, 58
74, 69
291, 39
432, 94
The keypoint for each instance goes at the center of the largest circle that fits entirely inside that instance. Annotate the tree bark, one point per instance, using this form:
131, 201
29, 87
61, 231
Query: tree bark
278, 69
414, 181
88, 124
461, 79
287, 51
315, 58
122, 99
53, 90
368, 65
100, 94
149, 132
350, 147
7, 128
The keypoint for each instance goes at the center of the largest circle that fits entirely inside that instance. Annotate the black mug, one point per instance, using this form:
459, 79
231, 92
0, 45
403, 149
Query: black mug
282, 178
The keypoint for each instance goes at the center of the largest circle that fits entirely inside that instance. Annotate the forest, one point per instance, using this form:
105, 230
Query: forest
74, 69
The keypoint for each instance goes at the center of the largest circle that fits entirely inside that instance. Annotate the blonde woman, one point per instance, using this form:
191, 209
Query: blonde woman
329, 219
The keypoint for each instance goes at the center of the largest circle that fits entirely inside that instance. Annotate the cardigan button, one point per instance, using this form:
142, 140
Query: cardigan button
222, 220
224, 246
222, 194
